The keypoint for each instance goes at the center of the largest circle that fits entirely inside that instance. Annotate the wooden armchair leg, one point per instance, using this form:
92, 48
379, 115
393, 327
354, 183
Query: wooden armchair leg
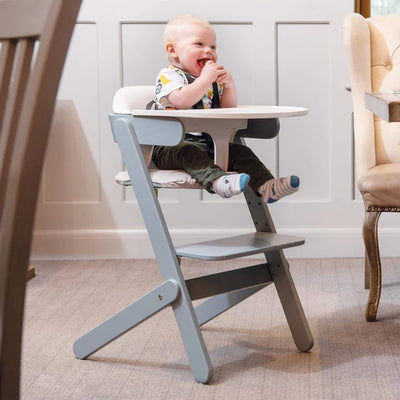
370, 235
367, 272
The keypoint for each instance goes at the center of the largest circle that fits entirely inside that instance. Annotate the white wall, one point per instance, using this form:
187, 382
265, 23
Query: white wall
288, 52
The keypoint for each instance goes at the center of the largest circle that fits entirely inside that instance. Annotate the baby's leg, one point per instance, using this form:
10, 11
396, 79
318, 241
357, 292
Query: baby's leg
194, 159
243, 160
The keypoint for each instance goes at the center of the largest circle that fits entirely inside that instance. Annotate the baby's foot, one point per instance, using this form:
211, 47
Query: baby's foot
275, 189
230, 185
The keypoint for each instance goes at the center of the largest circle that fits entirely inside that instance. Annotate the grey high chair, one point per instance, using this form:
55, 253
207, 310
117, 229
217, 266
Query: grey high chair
135, 136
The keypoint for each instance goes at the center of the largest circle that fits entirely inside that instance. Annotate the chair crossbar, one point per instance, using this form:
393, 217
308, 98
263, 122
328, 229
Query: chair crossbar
228, 281
220, 303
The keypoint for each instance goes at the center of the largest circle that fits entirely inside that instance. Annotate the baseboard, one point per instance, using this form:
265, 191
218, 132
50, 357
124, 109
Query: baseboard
125, 243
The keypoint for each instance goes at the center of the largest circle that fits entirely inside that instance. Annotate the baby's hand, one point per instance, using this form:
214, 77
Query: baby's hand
212, 71
225, 79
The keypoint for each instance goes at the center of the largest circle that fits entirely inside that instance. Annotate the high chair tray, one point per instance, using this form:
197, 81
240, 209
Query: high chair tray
238, 246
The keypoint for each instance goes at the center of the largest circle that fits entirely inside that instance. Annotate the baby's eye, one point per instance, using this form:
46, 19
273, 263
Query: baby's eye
199, 43
213, 47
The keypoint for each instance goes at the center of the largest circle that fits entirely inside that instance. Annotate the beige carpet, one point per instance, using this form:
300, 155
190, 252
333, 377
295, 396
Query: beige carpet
250, 346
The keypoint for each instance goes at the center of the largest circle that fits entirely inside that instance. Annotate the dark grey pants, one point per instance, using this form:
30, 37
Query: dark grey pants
195, 155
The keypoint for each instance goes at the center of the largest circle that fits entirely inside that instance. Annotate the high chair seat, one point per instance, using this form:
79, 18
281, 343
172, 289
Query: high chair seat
163, 179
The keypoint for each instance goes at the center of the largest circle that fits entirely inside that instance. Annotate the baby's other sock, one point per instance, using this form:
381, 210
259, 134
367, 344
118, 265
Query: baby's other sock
275, 189
230, 185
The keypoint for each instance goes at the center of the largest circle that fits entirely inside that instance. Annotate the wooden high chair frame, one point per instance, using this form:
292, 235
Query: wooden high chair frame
222, 290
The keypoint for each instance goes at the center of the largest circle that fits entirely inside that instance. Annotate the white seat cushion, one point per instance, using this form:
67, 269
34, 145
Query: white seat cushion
163, 178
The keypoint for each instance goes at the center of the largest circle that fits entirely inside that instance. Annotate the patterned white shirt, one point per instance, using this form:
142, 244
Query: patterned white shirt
172, 78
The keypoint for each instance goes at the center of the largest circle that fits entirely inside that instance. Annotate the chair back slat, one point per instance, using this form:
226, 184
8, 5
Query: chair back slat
16, 91
28, 88
7, 53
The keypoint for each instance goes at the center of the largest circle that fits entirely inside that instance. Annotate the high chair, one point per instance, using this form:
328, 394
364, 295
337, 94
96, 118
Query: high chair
135, 136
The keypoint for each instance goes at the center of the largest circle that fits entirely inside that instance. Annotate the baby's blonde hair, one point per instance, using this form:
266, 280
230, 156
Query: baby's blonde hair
174, 28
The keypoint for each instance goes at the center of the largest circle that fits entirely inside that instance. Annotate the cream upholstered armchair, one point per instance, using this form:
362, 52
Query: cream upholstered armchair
373, 49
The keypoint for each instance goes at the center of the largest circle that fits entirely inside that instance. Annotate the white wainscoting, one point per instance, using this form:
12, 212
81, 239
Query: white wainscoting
289, 53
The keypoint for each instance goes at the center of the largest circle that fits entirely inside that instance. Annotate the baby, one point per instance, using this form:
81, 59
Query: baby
195, 80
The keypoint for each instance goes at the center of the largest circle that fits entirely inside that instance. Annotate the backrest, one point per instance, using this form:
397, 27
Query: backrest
385, 75
373, 50
132, 97
34, 37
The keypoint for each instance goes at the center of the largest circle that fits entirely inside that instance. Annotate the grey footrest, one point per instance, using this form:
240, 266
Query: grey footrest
238, 246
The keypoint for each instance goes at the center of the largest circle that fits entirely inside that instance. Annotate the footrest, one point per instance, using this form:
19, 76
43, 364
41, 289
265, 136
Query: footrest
238, 246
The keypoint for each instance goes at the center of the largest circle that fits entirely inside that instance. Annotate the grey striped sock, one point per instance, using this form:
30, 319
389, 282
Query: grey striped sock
275, 189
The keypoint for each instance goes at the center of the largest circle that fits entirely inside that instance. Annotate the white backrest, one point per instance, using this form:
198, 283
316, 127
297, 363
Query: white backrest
134, 97
130, 97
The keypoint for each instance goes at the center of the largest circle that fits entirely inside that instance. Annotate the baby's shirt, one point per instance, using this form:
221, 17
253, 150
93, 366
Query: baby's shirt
172, 78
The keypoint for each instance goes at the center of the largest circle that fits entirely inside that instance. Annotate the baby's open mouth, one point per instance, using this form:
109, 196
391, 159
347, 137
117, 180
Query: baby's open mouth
203, 62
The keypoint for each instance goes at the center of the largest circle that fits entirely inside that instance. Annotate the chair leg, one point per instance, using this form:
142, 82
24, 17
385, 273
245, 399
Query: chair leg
367, 272
192, 338
370, 235
290, 301
163, 247
131, 316
281, 276
30, 272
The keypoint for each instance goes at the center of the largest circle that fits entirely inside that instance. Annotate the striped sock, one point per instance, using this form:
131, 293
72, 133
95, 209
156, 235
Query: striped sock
229, 185
275, 189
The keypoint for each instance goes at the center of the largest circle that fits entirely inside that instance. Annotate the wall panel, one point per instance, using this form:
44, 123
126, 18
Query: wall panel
71, 171
288, 52
303, 50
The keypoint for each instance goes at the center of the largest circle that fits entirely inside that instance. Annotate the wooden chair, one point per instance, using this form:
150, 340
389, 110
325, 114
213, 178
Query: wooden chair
222, 290
34, 37
373, 49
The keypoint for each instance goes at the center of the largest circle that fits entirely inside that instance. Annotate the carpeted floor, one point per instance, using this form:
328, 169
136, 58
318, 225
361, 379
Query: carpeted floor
250, 345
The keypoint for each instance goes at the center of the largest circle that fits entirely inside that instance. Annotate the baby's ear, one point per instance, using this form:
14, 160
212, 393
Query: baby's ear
170, 49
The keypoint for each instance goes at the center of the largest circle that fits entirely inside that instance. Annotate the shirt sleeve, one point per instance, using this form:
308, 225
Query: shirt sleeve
168, 80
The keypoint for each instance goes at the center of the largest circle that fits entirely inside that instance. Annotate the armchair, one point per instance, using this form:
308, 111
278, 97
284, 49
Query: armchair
373, 50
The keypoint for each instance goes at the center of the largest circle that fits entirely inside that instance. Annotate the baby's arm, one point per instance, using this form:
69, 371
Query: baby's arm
189, 95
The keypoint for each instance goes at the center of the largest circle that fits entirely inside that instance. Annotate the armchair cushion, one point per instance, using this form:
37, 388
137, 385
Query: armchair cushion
380, 186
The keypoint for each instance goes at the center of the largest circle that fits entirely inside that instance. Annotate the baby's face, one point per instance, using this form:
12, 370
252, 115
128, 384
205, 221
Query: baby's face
194, 48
